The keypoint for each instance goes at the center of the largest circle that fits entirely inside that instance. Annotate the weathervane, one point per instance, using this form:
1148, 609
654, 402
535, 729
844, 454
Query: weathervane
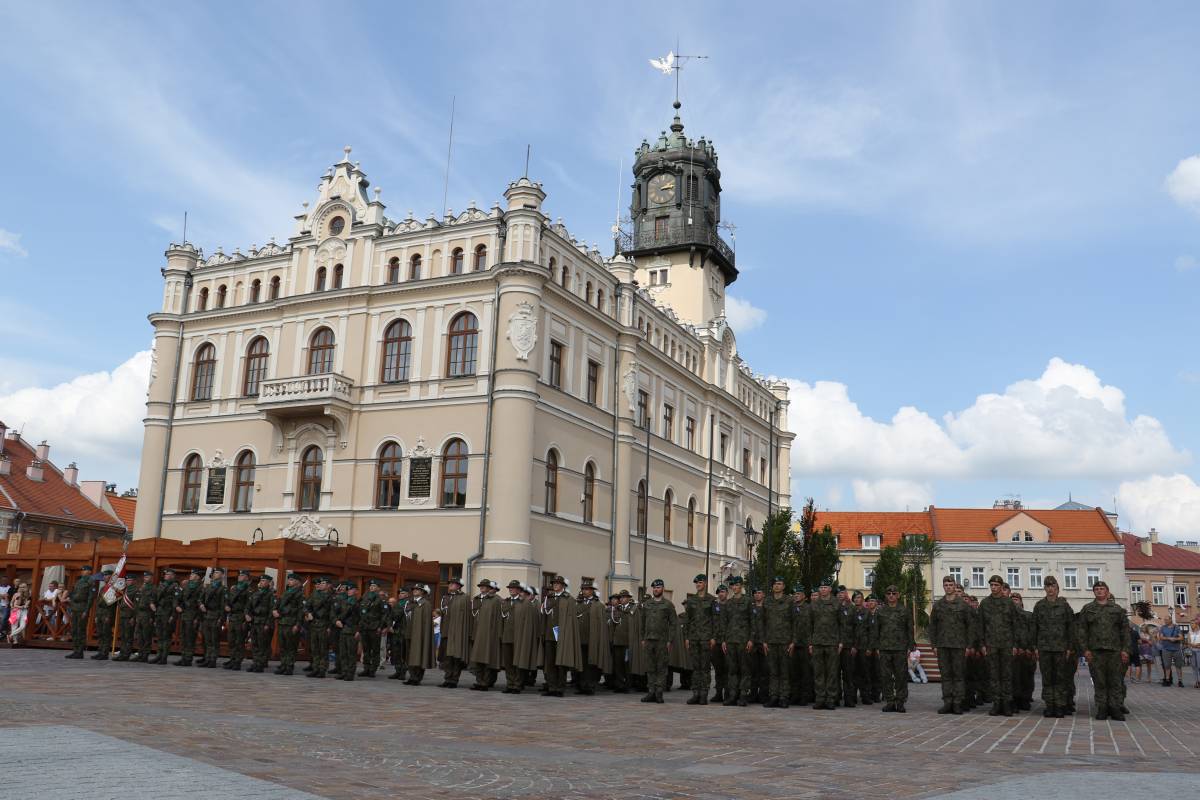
672, 62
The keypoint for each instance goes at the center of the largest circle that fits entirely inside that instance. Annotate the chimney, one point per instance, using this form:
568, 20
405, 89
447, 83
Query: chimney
43, 451
34, 470
71, 474
1147, 545
5, 466
1153, 536
3, 435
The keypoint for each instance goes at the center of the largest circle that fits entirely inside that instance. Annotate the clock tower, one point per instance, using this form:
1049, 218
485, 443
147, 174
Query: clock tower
680, 257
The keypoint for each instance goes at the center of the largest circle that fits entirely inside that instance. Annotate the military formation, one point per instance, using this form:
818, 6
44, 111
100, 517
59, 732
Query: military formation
825, 648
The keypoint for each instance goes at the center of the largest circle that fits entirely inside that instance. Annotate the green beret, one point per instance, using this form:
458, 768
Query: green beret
735, 579
700, 578
722, 588
657, 582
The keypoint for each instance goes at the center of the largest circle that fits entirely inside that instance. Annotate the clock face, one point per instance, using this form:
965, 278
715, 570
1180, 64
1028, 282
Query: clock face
662, 188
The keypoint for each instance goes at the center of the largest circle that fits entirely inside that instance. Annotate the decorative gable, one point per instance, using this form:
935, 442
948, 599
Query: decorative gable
1021, 527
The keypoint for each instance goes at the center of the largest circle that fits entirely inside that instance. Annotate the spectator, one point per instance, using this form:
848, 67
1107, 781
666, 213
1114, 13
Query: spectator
1146, 653
916, 673
1135, 651
1170, 642
18, 616
49, 608
5, 591
1194, 646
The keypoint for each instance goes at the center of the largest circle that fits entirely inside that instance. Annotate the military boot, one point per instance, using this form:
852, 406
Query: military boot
731, 698
888, 708
658, 697
122, 657
1117, 716
900, 708
783, 702
1102, 713
694, 700
947, 707
995, 710
100, 656
958, 709
648, 698
1048, 711
718, 696
1006, 708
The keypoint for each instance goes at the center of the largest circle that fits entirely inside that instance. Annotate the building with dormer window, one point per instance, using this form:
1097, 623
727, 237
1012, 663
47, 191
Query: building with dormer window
481, 389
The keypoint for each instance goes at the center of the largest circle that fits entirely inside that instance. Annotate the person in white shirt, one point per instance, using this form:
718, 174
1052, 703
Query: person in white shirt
48, 610
915, 671
1193, 643
5, 591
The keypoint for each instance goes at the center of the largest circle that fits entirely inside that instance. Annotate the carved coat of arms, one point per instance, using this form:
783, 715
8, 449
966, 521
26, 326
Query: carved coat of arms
522, 330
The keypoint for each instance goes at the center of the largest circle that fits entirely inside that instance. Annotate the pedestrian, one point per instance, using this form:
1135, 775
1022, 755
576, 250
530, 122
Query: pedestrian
1106, 649
106, 615
370, 627
1146, 653
1170, 638
187, 606
143, 615
397, 636
777, 643
658, 631
595, 644
18, 615
127, 617
166, 600
715, 655
7, 592
801, 674
347, 626
1193, 642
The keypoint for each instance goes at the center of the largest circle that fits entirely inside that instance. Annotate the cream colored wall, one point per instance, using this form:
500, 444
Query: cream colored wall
1052, 559
1021, 524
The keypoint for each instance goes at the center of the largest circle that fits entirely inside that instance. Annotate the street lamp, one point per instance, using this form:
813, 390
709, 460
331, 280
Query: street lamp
837, 571
751, 540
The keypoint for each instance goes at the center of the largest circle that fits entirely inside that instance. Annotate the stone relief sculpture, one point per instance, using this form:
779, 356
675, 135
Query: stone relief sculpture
305, 528
522, 330
629, 384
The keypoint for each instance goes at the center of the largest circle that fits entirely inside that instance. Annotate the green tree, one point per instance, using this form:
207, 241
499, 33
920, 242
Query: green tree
918, 551
817, 551
775, 553
889, 570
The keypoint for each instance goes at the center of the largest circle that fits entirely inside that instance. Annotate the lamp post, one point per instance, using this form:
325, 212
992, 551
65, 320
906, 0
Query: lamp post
837, 571
751, 540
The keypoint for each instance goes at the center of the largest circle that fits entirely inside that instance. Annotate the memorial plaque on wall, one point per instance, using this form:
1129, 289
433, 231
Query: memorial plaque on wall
216, 486
420, 477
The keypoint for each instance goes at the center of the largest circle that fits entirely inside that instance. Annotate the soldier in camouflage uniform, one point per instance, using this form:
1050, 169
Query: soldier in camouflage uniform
80, 603
775, 633
866, 673
261, 620
715, 655
736, 643
1053, 646
235, 606
700, 634
998, 622
825, 645
801, 678
370, 627
396, 635
106, 619
347, 623
892, 638
1025, 663
288, 613
978, 692
658, 630
317, 609
187, 606
166, 600
847, 656
127, 619
212, 609
336, 607
758, 661
1104, 632
951, 632
144, 617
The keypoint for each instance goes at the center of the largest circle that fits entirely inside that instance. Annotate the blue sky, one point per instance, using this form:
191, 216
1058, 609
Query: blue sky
970, 233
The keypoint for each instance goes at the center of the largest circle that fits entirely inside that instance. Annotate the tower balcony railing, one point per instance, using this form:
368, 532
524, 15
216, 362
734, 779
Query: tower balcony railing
304, 393
650, 237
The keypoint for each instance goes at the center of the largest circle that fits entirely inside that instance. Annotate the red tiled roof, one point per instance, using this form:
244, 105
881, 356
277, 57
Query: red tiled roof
53, 497
979, 524
1164, 558
125, 507
890, 525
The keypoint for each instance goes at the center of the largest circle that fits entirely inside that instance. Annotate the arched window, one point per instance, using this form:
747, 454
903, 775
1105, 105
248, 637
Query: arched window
274, 288
414, 267
397, 350
640, 528
257, 355
222, 294
589, 492
203, 372
456, 261
566, 278
691, 522
464, 345
481, 258
255, 290
668, 502
552, 482
243, 482
320, 284
600, 299
320, 352
312, 464
338, 271
387, 476
454, 474
587, 292
202, 299
393, 271
193, 475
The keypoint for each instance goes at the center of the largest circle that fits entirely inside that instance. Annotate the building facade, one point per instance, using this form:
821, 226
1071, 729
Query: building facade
483, 389
1163, 575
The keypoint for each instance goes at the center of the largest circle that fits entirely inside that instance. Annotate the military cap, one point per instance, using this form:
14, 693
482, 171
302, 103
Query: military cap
614, 596
872, 596
798, 589
826, 582
778, 579
483, 582
625, 593
322, 579
87, 567
1098, 584
855, 594
559, 579
421, 587
372, 581
455, 580
735, 579
657, 582
147, 574
106, 571
245, 572
841, 587
266, 577
291, 576
755, 589
171, 570
722, 588
221, 570
515, 584
1050, 580
588, 584
700, 578
996, 579
533, 590
195, 571
891, 587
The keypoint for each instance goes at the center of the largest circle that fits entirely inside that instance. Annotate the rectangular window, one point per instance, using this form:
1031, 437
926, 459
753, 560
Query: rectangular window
956, 573
762, 471
1035, 577
1014, 577
449, 571
977, 578
724, 447
1136, 593
660, 228
1070, 578
1158, 594
1093, 576
556, 364
870, 541
668, 430
643, 410
689, 431
868, 577
593, 382
1180, 595
746, 461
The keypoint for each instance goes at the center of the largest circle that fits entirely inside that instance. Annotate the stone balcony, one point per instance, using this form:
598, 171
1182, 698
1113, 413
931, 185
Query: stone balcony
306, 395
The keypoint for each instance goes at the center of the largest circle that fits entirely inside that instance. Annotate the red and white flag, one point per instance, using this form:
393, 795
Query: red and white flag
115, 582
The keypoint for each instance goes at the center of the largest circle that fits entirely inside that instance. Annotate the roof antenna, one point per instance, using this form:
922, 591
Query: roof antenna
449, 149
616, 228
528, 147
185, 227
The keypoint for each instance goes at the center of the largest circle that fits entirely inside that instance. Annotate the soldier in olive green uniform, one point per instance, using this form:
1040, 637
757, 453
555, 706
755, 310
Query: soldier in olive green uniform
801, 678
260, 616
951, 633
235, 606
736, 643
396, 635
866, 662
776, 636
212, 609
758, 661
288, 613
892, 638
1054, 647
317, 610
127, 619
80, 603
166, 600
620, 624
187, 606
847, 656
370, 627
337, 602
347, 623
825, 645
658, 629
144, 617
1024, 663
106, 619
1104, 631
699, 636
716, 656
976, 677
998, 623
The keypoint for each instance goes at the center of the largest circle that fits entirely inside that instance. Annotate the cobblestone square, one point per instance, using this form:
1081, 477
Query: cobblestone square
266, 736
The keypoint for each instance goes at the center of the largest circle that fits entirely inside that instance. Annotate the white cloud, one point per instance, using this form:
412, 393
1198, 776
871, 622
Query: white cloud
94, 419
1170, 503
1183, 184
890, 494
1064, 424
1186, 263
742, 315
11, 243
